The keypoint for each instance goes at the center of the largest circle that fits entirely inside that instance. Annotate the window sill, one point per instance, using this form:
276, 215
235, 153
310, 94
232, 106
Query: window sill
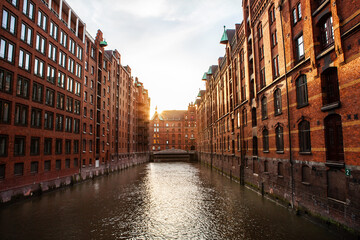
265, 118
331, 106
302, 105
280, 176
277, 114
327, 49
266, 151
306, 183
280, 152
305, 153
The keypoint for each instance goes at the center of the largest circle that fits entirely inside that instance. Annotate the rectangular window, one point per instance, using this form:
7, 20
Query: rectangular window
79, 53
72, 46
262, 78
71, 64
276, 66
37, 94
84, 145
42, 20
76, 146
22, 87
39, 68
58, 164
14, 2
36, 117
67, 146
70, 84
67, 163
77, 107
26, 34
35, 146
2, 171
299, 46
51, 74
68, 124
274, 39
7, 50
76, 162
28, 9
40, 43
6, 81
49, 97
9, 21
63, 38
19, 146
61, 80
5, 108
76, 125
60, 101
53, 30
58, 146
52, 52
47, 165
59, 124
24, 60
78, 71
62, 59
4, 141
49, 120
77, 88
69, 104
19, 169
21, 112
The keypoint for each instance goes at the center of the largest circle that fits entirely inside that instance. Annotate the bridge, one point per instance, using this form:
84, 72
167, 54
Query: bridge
169, 155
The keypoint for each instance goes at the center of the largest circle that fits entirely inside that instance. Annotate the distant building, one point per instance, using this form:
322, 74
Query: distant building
173, 129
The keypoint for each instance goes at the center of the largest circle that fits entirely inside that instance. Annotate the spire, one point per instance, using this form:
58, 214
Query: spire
156, 109
224, 38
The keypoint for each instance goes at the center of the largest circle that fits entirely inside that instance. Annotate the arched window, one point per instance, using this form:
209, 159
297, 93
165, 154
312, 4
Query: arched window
304, 136
301, 91
265, 134
279, 138
264, 108
277, 101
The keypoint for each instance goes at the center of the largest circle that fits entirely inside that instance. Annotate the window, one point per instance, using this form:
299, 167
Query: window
264, 108
260, 32
67, 163
61, 79
58, 146
70, 84
84, 145
62, 59
19, 146
71, 64
7, 50
253, 117
63, 38
244, 116
35, 146
14, 2
67, 146
60, 101
261, 52
24, 60
52, 52
58, 164
301, 91
47, 165
90, 145
69, 104
77, 88
272, 14
6, 81
37, 93
85, 96
265, 134
8, 21
276, 66
42, 20
330, 86
299, 48
51, 74
266, 166
77, 107
327, 32
49, 97
26, 34
274, 39
92, 54
53, 30
59, 122
4, 141
40, 43
48, 120
79, 53
280, 169
72, 46
39, 68
296, 13
304, 137
68, 124
279, 139
78, 71
76, 125
19, 169
47, 146
262, 78
28, 9
22, 87
21, 112
277, 102
36, 117
76, 146
255, 146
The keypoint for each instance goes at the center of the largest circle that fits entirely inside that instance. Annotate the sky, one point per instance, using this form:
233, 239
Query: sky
168, 44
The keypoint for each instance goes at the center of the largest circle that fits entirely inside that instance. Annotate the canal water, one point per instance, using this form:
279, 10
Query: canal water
156, 201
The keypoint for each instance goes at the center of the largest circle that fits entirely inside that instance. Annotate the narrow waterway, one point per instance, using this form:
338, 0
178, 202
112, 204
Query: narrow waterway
156, 201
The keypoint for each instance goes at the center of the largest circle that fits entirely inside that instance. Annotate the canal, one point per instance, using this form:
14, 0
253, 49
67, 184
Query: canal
156, 201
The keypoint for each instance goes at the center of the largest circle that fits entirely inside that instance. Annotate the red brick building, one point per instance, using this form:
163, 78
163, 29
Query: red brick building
68, 107
280, 108
174, 129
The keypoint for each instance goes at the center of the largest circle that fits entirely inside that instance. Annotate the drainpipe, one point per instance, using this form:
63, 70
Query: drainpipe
288, 113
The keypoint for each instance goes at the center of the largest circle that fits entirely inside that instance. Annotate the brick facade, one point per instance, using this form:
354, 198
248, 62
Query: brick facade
280, 108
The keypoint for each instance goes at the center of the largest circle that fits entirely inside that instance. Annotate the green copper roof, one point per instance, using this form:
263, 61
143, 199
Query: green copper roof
204, 76
224, 38
103, 43
199, 95
210, 71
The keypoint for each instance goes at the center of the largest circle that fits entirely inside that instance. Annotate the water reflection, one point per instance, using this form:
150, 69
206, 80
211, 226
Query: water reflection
156, 201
